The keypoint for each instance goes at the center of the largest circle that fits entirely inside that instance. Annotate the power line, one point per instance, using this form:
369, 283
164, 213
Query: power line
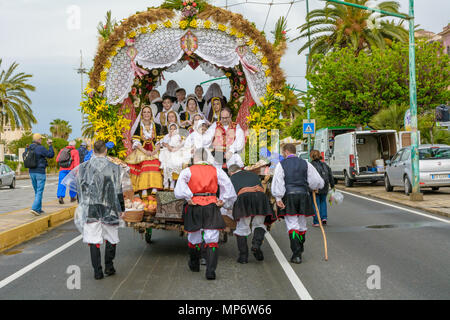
267, 16
261, 3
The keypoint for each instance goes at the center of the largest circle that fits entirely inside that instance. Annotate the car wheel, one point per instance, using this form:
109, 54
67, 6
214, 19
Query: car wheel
13, 184
348, 182
387, 184
408, 187
435, 188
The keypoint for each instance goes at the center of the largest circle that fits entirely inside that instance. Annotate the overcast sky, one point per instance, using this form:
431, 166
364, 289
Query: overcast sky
42, 38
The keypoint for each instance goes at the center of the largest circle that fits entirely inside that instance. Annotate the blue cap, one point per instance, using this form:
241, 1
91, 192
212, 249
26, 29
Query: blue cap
110, 145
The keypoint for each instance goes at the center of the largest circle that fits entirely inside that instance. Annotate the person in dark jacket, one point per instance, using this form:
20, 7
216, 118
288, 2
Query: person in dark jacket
83, 151
37, 174
327, 176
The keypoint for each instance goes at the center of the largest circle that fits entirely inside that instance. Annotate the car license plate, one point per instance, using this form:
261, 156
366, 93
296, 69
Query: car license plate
440, 176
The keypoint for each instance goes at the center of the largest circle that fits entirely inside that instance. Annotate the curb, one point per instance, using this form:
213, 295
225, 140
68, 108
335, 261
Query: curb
28, 231
430, 210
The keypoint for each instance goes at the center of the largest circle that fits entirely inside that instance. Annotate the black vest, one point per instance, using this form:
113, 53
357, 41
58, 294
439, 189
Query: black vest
243, 179
295, 174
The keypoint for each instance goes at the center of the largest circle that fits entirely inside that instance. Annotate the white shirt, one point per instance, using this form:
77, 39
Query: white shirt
278, 189
227, 192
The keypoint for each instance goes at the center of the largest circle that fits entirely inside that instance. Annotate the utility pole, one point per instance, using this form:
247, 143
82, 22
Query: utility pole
415, 194
307, 81
81, 70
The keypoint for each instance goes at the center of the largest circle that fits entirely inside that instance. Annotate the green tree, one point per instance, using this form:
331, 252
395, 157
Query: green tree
14, 101
339, 26
60, 129
346, 90
390, 118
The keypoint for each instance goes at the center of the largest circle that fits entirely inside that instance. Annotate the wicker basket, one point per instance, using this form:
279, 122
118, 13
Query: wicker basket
133, 215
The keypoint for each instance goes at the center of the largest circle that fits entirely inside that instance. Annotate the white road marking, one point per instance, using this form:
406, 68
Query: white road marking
292, 276
397, 207
33, 265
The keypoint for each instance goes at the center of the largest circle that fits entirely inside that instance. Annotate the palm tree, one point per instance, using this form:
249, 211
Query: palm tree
337, 26
390, 118
87, 129
60, 129
14, 101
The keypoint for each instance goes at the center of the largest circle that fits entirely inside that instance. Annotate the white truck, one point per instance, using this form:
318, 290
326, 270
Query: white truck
324, 140
362, 155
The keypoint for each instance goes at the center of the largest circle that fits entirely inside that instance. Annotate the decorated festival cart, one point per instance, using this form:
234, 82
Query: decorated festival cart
136, 54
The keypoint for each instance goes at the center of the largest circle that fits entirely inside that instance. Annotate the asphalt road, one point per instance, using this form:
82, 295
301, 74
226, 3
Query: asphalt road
410, 251
23, 195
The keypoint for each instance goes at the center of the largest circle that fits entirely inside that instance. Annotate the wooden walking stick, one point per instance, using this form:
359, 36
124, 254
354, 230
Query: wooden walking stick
321, 227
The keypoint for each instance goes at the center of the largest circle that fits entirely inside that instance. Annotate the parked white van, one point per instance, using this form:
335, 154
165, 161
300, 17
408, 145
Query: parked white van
362, 155
324, 140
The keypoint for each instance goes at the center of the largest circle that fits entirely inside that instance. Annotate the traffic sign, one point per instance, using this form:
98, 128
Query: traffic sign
309, 126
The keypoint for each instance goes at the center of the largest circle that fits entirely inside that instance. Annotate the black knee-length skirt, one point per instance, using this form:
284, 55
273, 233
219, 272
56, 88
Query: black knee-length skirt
252, 204
297, 204
202, 217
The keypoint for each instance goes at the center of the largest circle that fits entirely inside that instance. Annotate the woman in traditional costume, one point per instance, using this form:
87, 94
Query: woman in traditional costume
172, 156
143, 161
217, 105
171, 117
187, 117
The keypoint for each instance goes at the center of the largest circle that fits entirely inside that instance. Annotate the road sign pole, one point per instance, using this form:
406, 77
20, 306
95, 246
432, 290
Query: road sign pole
415, 195
307, 82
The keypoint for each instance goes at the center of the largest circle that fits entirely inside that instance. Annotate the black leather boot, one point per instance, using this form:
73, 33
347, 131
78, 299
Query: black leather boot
110, 254
258, 238
211, 262
96, 260
296, 247
243, 249
194, 259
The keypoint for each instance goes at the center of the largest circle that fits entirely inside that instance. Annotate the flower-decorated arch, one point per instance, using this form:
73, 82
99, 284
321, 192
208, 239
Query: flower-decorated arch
159, 38
133, 55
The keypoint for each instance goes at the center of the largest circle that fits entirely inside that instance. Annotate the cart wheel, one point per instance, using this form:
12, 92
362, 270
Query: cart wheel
223, 238
148, 235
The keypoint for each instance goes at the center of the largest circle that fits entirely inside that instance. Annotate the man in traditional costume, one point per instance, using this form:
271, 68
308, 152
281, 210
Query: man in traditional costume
199, 95
228, 141
198, 185
143, 161
252, 208
292, 181
180, 105
100, 185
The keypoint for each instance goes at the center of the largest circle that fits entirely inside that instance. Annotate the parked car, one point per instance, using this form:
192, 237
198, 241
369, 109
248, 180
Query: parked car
7, 176
434, 168
361, 155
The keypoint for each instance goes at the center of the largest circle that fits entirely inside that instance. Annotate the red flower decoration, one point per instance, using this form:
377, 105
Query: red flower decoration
133, 91
283, 32
194, 4
184, 4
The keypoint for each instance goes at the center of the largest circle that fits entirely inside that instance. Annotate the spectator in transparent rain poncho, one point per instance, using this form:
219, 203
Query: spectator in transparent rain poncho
100, 185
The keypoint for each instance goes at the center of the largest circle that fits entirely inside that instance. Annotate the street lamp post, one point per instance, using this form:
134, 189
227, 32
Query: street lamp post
307, 81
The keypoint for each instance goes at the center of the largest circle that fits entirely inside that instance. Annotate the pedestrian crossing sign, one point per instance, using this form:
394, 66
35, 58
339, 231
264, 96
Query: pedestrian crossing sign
309, 126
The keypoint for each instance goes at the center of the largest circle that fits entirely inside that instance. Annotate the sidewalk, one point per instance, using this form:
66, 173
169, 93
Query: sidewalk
20, 225
25, 176
437, 202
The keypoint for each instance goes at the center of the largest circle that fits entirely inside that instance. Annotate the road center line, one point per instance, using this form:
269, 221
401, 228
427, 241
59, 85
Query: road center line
397, 207
33, 265
292, 276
